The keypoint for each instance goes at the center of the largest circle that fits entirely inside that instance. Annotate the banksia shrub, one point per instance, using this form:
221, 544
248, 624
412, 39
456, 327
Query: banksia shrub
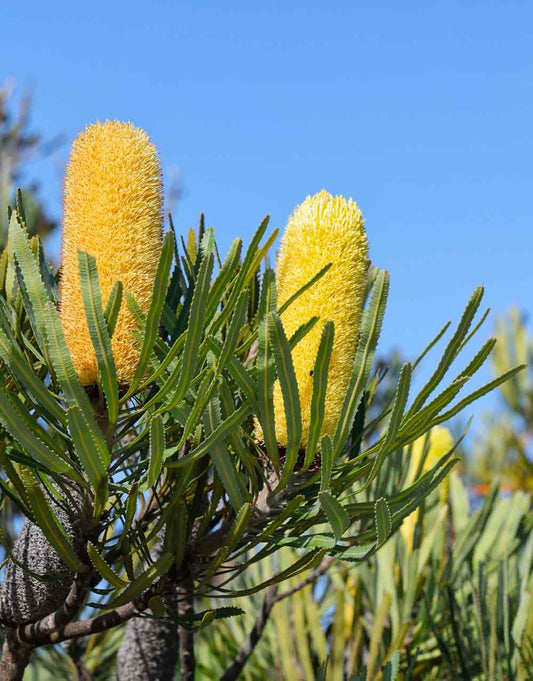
113, 211
178, 412
323, 230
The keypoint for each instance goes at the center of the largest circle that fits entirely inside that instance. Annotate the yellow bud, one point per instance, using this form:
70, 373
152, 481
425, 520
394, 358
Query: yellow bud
440, 442
113, 211
323, 229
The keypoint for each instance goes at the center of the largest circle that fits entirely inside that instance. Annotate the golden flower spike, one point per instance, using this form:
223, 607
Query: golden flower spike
323, 229
113, 211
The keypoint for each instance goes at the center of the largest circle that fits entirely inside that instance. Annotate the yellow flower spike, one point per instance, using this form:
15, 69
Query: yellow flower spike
440, 442
323, 229
113, 211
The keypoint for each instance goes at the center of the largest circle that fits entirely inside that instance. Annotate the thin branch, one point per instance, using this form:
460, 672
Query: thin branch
15, 658
271, 598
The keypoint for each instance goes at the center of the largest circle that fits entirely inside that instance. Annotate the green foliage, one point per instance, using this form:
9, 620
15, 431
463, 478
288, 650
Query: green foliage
176, 456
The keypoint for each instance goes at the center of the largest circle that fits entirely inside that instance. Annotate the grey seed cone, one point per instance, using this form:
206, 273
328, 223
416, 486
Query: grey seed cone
149, 651
25, 599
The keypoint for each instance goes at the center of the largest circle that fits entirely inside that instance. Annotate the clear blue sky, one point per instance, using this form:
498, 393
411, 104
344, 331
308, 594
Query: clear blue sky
421, 111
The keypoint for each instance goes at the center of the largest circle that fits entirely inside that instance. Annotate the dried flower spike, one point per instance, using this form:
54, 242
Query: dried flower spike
323, 229
113, 211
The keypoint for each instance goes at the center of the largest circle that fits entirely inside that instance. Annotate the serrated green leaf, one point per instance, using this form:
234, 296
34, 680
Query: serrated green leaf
32, 281
103, 569
336, 515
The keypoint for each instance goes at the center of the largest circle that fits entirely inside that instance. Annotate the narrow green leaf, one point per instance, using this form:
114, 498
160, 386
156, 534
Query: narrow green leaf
92, 301
233, 332
93, 457
336, 515
157, 449
151, 328
265, 368
238, 372
303, 289
326, 463
103, 569
383, 521
141, 583
320, 385
217, 436
221, 456
291, 397
185, 370
75, 395
369, 336
239, 526
451, 350
113, 306
398, 405
29, 434
33, 283
23, 372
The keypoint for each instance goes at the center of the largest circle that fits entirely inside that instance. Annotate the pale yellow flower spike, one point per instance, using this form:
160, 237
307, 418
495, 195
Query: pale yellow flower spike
440, 442
113, 211
323, 229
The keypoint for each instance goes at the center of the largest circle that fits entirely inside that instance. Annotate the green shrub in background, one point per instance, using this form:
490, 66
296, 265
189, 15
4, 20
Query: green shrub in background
458, 606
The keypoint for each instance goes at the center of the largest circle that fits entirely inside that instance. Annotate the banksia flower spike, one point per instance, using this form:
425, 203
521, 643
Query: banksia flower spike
440, 442
113, 211
323, 229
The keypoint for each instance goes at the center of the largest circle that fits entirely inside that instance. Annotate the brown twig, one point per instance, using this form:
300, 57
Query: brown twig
271, 598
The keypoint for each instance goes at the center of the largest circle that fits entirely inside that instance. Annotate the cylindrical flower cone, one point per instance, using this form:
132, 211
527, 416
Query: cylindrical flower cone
113, 211
323, 229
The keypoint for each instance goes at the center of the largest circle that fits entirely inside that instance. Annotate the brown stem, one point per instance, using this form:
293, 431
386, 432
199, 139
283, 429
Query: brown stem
186, 636
15, 658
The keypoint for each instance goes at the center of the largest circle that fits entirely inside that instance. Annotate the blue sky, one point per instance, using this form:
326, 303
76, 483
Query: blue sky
421, 111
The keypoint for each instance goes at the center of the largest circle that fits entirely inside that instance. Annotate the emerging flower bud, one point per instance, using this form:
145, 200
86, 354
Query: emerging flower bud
113, 211
440, 442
